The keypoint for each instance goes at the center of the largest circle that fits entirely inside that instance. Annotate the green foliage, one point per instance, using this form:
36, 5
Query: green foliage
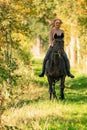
25, 56
83, 21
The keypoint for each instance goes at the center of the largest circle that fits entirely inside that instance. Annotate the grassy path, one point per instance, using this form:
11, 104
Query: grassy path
34, 110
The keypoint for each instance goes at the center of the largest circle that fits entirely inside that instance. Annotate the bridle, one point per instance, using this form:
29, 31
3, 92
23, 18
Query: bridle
58, 48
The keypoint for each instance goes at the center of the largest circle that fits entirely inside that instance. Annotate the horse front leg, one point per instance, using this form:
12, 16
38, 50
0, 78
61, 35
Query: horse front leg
54, 92
50, 87
62, 86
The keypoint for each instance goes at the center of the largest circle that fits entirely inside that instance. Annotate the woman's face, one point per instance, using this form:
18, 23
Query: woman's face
57, 24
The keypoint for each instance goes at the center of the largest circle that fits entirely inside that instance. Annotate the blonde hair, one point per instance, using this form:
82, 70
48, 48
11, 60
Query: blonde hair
53, 22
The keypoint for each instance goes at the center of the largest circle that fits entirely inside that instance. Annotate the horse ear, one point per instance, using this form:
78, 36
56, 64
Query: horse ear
55, 36
62, 35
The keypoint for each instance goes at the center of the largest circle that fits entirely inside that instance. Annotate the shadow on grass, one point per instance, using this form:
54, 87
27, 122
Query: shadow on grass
21, 103
78, 83
24, 102
11, 128
40, 82
76, 89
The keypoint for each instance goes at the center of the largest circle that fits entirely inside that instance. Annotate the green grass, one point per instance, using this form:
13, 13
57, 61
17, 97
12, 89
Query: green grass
32, 109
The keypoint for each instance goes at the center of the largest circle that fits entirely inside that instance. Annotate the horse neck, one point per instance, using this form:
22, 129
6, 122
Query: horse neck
56, 58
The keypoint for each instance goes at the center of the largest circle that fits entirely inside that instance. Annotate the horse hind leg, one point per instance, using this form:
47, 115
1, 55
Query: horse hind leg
50, 91
62, 93
62, 88
50, 88
50, 95
54, 92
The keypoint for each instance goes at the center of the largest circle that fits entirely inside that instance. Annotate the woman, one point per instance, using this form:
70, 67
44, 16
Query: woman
55, 30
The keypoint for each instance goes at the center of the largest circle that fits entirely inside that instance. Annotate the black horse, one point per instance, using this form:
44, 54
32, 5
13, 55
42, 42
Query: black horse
55, 68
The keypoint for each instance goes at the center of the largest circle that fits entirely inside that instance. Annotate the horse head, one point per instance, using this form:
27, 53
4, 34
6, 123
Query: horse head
58, 42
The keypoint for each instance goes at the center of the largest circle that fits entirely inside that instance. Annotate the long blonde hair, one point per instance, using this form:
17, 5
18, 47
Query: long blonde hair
53, 22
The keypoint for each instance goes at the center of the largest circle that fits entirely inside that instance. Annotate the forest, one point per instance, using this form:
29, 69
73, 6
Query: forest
24, 39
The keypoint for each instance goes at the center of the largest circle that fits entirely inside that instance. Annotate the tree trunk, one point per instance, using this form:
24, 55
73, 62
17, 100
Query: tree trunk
37, 48
78, 51
72, 51
85, 64
68, 51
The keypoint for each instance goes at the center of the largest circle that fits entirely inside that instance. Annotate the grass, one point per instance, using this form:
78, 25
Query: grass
32, 109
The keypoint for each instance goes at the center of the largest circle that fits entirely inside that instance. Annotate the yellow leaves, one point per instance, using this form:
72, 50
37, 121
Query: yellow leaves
82, 7
5, 1
80, 2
